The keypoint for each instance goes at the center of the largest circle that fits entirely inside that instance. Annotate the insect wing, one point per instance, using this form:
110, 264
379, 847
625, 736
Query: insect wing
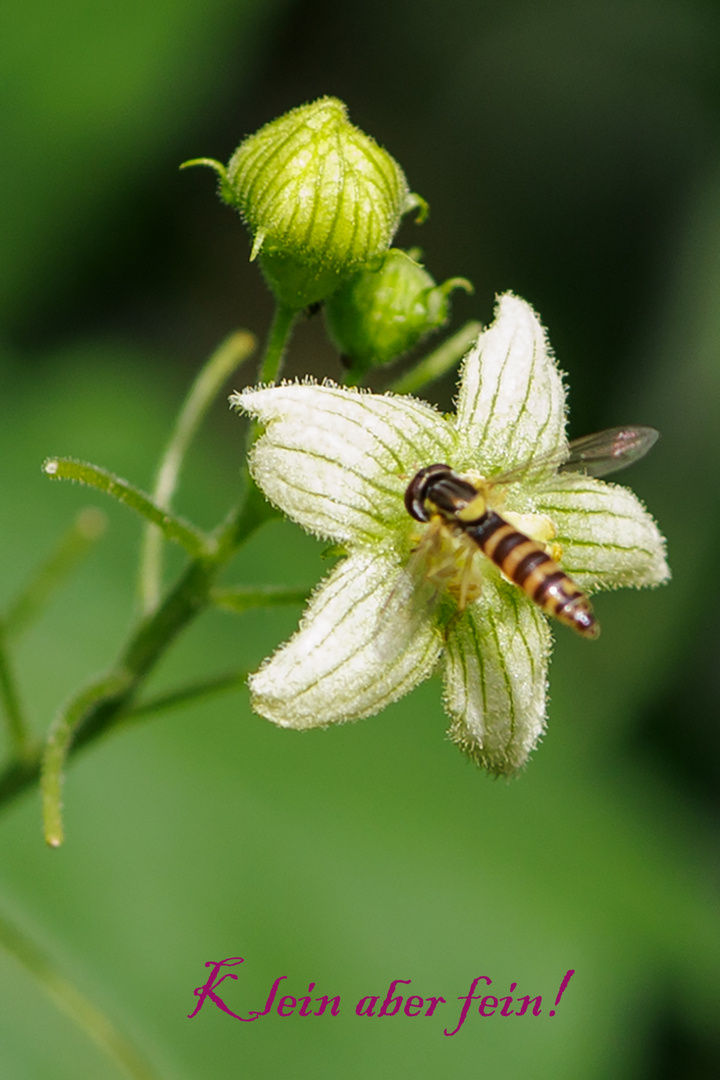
600, 454
609, 451
416, 596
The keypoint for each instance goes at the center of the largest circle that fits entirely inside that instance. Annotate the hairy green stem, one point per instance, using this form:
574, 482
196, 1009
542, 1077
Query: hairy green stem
213, 375
62, 731
254, 511
101, 704
282, 326
173, 528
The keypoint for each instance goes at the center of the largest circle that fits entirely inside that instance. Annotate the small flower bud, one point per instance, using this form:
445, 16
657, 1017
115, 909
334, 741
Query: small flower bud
320, 198
378, 314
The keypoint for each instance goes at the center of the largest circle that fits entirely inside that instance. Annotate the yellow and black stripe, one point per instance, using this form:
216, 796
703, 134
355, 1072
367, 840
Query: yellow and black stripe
525, 563
438, 490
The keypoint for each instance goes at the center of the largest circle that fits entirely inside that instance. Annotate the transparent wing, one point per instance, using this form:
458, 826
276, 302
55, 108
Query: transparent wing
609, 451
594, 455
420, 588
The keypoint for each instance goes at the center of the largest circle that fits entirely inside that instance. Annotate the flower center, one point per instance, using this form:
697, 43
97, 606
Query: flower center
449, 560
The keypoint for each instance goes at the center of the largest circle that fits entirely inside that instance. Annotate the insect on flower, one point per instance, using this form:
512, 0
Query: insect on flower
466, 507
423, 585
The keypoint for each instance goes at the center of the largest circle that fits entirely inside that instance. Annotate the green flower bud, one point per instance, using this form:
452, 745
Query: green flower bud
380, 313
320, 198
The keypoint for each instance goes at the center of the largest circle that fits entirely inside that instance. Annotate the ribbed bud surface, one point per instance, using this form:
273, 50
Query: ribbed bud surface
311, 186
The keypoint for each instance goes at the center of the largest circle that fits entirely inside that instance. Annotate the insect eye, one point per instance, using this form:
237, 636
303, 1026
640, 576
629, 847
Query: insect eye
418, 488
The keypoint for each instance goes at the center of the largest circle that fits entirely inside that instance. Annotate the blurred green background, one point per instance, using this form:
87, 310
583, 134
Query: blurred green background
569, 152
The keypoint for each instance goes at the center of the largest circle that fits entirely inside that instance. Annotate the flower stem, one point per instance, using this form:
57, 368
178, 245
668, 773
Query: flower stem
252, 512
239, 598
74, 1004
99, 706
16, 726
88, 527
62, 732
185, 695
110, 697
221, 365
282, 325
174, 528
439, 362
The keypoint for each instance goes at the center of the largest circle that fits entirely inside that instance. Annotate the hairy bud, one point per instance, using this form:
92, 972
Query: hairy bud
380, 313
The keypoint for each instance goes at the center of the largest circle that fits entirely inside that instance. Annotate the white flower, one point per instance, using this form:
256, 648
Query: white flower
338, 462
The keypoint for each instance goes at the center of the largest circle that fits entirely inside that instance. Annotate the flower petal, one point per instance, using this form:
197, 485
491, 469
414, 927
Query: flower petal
511, 405
338, 461
495, 678
608, 538
356, 651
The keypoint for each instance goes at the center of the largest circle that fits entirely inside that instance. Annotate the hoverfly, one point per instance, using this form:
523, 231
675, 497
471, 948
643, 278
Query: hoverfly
439, 495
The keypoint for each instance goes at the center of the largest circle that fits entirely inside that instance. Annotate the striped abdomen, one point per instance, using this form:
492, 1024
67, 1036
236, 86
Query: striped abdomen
525, 563
439, 490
